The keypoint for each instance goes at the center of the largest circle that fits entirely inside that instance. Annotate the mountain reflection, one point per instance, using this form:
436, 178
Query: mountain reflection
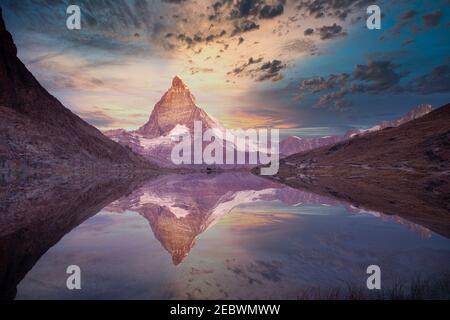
37, 213
181, 207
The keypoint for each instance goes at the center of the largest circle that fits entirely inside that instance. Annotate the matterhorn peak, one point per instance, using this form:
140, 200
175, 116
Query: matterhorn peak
177, 82
176, 107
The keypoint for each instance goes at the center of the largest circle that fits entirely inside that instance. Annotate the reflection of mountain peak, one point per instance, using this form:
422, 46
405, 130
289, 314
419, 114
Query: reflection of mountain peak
181, 207
176, 235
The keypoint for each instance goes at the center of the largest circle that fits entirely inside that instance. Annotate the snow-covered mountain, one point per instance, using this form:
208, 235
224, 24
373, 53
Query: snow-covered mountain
176, 108
176, 112
174, 116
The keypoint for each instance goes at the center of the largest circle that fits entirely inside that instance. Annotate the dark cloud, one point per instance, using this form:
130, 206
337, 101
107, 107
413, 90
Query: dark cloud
432, 20
375, 77
244, 26
320, 83
308, 32
436, 81
403, 20
407, 15
246, 9
266, 71
330, 32
334, 8
269, 12
240, 69
382, 75
407, 42
97, 118
271, 70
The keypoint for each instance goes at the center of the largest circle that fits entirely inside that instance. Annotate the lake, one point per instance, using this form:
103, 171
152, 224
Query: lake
199, 236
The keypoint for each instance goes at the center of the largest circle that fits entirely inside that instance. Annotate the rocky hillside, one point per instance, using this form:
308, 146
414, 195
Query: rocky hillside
293, 144
402, 171
38, 132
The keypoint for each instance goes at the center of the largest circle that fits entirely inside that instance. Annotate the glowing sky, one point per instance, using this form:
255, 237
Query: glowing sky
261, 63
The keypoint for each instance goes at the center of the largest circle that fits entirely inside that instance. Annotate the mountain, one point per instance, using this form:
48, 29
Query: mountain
172, 116
176, 107
402, 170
293, 144
39, 132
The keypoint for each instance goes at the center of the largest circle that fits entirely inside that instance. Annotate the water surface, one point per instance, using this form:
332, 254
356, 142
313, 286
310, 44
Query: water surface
196, 236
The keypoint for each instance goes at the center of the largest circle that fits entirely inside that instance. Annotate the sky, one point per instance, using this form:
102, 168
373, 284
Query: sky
310, 67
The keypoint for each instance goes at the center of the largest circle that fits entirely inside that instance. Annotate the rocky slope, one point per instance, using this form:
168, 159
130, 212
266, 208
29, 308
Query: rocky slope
403, 170
293, 144
38, 132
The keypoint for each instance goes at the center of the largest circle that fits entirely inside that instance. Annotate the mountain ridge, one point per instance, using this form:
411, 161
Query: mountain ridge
39, 131
294, 144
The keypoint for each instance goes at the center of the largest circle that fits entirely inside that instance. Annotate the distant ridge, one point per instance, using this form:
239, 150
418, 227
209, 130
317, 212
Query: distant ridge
293, 144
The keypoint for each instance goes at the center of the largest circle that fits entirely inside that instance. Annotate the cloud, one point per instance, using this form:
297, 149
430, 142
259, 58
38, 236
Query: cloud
269, 12
300, 46
244, 26
381, 75
338, 9
330, 32
436, 81
271, 70
265, 71
433, 19
308, 32
247, 8
320, 83
98, 118
241, 68
375, 77
372, 78
407, 15
195, 70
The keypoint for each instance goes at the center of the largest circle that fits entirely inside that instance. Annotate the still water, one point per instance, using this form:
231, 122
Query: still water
196, 236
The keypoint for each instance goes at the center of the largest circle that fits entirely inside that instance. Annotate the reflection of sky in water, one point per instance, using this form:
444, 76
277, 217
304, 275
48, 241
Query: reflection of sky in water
260, 250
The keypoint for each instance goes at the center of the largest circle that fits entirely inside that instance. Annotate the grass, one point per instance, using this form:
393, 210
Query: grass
416, 289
